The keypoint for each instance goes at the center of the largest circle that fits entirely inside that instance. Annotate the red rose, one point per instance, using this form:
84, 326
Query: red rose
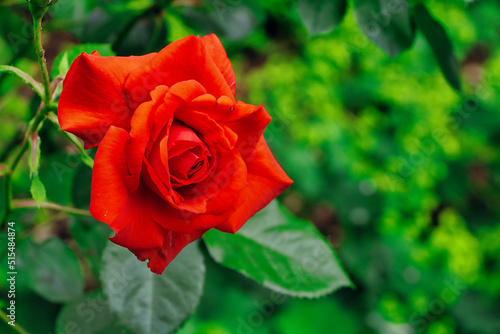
177, 154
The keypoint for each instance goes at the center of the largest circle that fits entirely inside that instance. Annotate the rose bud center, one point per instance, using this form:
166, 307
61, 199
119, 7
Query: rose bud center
184, 154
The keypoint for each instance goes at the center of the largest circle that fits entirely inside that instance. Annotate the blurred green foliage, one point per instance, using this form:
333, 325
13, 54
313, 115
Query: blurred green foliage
398, 170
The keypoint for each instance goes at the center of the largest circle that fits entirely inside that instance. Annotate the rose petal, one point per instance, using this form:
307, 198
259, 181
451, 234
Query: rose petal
141, 125
174, 242
226, 110
134, 228
108, 189
125, 212
217, 194
221, 109
185, 149
179, 93
249, 127
150, 118
216, 51
180, 165
93, 99
158, 159
231, 178
147, 239
182, 60
160, 184
213, 134
239, 120
266, 180
171, 198
110, 200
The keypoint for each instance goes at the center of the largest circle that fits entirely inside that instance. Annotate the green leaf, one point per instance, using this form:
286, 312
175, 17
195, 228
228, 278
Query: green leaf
321, 15
281, 252
80, 192
52, 270
58, 173
440, 44
38, 189
89, 314
229, 21
3, 189
91, 237
387, 23
148, 303
87, 160
64, 63
65, 59
28, 79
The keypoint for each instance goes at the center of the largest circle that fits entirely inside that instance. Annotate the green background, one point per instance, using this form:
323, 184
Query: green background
398, 170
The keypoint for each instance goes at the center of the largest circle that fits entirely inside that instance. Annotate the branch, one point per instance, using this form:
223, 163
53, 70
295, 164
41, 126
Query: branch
29, 203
